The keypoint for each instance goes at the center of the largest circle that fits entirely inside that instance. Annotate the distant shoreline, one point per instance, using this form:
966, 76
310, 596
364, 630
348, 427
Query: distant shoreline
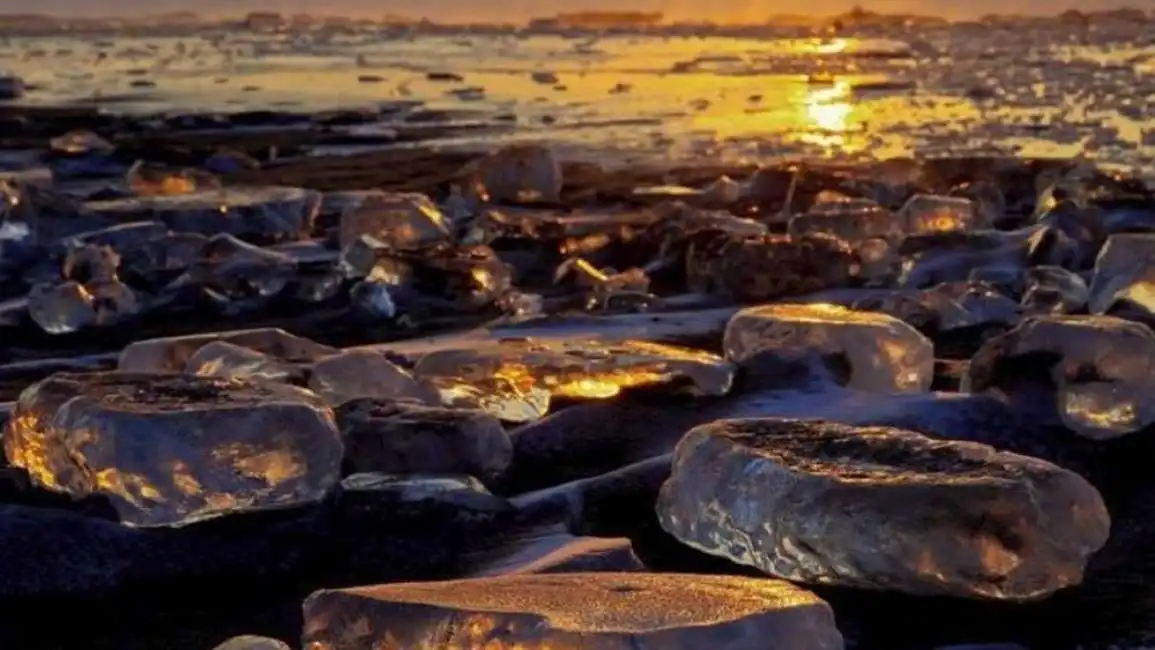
36, 24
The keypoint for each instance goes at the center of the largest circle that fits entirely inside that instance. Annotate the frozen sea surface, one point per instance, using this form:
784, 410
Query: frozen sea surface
1030, 89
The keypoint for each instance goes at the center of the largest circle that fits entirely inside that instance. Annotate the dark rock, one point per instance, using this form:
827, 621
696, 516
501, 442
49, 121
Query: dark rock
618, 503
444, 76
406, 438
590, 439
55, 553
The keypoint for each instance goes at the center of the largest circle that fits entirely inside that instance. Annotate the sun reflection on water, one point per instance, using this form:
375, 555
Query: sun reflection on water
826, 117
829, 115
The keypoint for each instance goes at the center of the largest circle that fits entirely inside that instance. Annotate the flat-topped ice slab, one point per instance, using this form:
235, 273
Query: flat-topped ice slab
593, 611
269, 213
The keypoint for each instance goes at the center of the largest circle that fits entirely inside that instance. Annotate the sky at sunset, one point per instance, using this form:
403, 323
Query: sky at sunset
520, 9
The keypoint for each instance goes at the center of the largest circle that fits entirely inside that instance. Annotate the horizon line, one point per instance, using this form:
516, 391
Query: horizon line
662, 20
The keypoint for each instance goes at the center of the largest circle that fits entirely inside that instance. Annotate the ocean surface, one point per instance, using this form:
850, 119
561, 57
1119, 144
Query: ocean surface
1030, 88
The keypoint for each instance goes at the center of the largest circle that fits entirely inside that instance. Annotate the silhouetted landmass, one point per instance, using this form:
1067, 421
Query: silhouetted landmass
609, 18
595, 20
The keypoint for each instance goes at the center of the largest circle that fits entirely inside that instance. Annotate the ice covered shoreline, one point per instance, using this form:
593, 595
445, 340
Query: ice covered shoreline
1033, 89
695, 343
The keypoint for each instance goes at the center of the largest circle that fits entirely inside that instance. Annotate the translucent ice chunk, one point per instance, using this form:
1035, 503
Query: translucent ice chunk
937, 266
121, 237
259, 213
631, 285
1008, 278
62, 308
1124, 272
458, 208
10, 197
454, 278
927, 310
852, 220
249, 642
403, 221
1055, 290
770, 267
515, 379
1055, 186
355, 374
113, 301
80, 142
317, 286
883, 353
773, 188
230, 361
603, 287
791, 498
926, 213
832, 199
1068, 236
373, 298
319, 274
27, 177
678, 220
945, 307
989, 200
724, 190
158, 262
659, 193
519, 174
17, 239
983, 303
520, 305
1103, 410
171, 354
501, 397
360, 256
239, 269
168, 450
879, 261
642, 610
1094, 372
14, 231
